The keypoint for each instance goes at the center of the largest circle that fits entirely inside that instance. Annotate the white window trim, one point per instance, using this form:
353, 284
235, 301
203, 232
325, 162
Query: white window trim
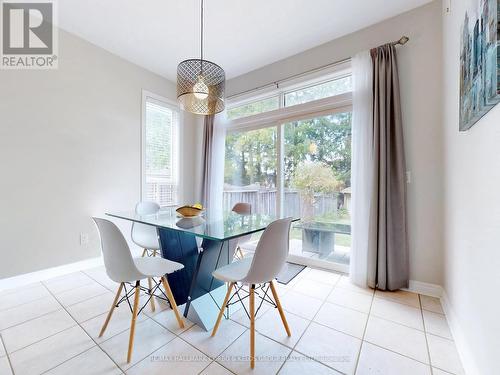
318, 77
278, 117
180, 136
330, 105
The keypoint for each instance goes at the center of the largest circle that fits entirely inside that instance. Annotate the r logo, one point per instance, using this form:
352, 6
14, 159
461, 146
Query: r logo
27, 28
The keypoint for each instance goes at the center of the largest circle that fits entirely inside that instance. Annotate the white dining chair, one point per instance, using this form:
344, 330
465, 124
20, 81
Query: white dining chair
242, 208
145, 236
268, 260
123, 269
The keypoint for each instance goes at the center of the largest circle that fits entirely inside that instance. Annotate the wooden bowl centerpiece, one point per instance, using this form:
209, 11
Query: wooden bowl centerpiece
189, 211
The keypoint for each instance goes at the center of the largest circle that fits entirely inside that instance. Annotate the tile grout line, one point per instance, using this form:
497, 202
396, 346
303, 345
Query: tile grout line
83, 300
218, 356
371, 343
142, 359
188, 343
79, 325
214, 359
31, 319
97, 281
22, 304
364, 333
69, 359
6, 354
267, 337
369, 314
44, 282
305, 330
177, 335
399, 354
46, 337
425, 335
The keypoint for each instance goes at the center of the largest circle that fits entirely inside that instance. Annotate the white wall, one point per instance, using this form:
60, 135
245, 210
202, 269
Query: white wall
472, 214
70, 149
420, 77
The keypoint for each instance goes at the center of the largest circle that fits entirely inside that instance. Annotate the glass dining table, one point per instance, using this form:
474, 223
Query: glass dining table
194, 288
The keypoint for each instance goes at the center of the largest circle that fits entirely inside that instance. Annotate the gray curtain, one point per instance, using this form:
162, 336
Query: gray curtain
207, 152
388, 264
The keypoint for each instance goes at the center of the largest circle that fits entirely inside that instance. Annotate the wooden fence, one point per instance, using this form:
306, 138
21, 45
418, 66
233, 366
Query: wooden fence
264, 201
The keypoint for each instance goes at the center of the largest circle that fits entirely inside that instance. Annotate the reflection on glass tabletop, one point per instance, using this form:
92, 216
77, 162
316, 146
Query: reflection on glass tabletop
222, 226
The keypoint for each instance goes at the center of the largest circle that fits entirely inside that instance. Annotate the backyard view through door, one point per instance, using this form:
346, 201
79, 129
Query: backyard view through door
315, 169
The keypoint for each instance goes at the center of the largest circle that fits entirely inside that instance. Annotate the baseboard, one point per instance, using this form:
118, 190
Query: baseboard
29, 278
426, 289
461, 341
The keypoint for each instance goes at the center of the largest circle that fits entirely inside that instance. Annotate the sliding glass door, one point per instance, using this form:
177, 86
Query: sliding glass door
317, 186
250, 171
300, 168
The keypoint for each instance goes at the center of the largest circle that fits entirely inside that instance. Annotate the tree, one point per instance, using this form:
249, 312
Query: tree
325, 139
251, 156
311, 178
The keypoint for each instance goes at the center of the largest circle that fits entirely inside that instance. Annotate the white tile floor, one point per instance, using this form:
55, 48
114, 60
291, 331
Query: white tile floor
337, 328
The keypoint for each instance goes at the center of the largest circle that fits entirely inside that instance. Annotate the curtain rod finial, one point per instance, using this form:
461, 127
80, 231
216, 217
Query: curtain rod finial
404, 39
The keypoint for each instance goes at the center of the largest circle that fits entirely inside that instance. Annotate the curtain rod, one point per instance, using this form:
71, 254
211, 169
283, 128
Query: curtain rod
401, 41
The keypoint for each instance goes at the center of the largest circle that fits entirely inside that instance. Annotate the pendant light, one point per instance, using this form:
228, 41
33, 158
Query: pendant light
200, 84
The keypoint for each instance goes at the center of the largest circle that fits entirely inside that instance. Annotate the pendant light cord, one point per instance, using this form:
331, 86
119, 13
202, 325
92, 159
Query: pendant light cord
201, 36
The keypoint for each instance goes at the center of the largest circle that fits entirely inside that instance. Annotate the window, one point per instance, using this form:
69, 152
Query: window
250, 170
294, 95
160, 151
253, 108
317, 181
296, 161
320, 91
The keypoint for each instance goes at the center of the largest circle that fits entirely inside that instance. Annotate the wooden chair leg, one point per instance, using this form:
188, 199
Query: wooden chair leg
172, 301
144, 252
152, 300
280, 309
155, 252
110, 313
252, 326
132, 324
221, 312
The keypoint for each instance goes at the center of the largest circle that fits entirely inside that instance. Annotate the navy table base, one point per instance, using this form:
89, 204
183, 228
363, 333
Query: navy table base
194, 287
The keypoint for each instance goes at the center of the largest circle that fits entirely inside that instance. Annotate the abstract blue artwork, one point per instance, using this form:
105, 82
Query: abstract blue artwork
479, 63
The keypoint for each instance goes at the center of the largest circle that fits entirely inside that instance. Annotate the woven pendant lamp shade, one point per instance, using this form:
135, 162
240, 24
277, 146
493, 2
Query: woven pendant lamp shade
200, 86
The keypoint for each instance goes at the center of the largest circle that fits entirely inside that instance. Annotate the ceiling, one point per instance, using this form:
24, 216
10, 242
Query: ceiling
240, 35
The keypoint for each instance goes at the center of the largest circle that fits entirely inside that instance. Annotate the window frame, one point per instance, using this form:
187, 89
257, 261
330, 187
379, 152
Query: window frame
279, 117
255, 100
313, 84
318, 77
148, 96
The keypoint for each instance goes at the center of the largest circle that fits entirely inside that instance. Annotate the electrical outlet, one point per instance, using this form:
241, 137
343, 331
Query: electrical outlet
84, 239
408, 177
